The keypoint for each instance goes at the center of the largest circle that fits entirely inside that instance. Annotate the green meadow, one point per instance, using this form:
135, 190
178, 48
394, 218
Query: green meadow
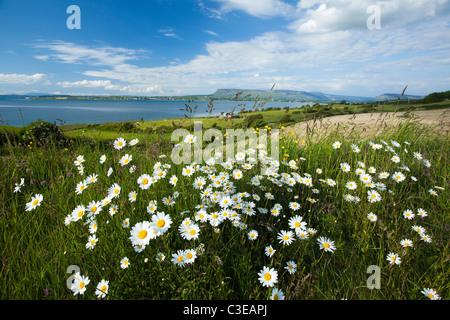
331, 218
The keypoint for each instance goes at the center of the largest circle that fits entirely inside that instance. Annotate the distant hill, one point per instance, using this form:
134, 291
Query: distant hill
287, 95
395, 96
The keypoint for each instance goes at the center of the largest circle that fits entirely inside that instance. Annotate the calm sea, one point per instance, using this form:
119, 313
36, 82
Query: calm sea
16, 111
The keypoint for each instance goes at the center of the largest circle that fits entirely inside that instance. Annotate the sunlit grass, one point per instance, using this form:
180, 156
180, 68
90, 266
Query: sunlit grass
38, 246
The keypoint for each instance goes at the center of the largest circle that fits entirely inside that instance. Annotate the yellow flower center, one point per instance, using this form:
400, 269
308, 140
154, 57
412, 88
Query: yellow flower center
103, 289
267, 277
326, 245
142, 234
145, 181
297, 224
94, 209
80, 213
81, 285
189, 255
161, 223
35, 202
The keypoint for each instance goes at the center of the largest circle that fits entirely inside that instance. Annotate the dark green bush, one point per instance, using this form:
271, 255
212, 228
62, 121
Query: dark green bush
43, 133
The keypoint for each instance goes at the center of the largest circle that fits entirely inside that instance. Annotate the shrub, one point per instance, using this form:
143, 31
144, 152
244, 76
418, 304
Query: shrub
43, 133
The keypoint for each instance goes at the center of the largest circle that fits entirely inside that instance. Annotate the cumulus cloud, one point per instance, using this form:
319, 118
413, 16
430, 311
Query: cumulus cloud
333, 15
14, 78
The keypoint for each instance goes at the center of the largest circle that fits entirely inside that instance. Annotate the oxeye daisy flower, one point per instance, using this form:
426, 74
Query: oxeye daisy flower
269, 196
398, 177
119, 143
190, 138
326, 244
349, 198
406, 243
383, 175
408, 214
431, 293
80, 187
294, 206
93, 226
79, 285
160, 257
125, 159
296, 223
179, 258
124, 263
110, 171
421, 212
92, 240
252, 235
113, 209
188, 171
35, 202
126, 223
336, 145
269, 251
373, 196
291, 267
173, 180
277, 294
114, 191
365, 178
418, 229
426, 238
134, 142
144, 181
93, 208
132, 196
215, 219
102, 289
91, 178
351, 185
141, 233
161, 222
330, 182
268, 277
372, 217
168, 201
285, 237
79, 160
345, 167
190, 255
395, 159
102, 159
78, 213
191, 232
393, 258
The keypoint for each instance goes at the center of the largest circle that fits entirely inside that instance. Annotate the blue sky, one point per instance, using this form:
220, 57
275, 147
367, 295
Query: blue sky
177, 47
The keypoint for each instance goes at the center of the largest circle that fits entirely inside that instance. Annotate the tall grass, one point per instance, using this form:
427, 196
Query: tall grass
39, 246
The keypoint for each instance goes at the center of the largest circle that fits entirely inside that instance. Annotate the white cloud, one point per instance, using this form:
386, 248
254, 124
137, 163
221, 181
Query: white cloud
14, 78
67, 52
333, 15
258, 8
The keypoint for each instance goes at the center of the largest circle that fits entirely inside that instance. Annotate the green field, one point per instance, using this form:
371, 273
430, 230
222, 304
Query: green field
225, 256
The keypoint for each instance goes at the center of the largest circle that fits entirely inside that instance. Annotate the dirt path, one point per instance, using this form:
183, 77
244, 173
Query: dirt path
369, 125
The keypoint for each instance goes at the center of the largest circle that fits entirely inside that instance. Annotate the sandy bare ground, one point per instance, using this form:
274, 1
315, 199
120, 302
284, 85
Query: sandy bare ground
368, 125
